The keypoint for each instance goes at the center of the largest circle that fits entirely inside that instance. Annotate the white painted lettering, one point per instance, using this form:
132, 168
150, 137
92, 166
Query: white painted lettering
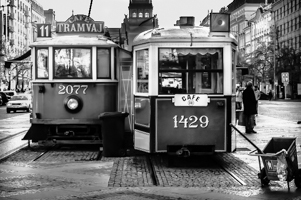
73, 29
93, 28
80, 27
88, 27
66, 28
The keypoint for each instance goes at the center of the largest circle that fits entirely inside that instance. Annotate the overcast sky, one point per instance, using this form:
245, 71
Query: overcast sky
112, 11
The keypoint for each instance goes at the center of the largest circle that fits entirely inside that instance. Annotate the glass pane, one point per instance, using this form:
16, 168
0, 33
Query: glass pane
42, 63
142, 71
103, 63
190, 71
171, 83
72, 63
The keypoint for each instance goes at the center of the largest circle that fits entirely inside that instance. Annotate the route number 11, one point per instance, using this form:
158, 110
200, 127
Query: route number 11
44, 30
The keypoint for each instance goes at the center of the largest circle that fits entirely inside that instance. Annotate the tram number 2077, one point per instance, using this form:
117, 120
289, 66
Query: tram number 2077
72, 89
191, 121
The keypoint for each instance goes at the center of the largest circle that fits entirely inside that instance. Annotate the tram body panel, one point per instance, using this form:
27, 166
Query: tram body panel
188, 125
96, 98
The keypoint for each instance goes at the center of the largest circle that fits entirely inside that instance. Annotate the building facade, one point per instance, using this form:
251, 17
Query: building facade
287, 16
17, 27
139, 19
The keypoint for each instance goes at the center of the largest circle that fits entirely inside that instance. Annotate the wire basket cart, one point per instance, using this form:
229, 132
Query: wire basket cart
277, 147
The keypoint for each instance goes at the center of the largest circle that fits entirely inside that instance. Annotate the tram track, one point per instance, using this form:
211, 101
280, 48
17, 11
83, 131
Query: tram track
140, 170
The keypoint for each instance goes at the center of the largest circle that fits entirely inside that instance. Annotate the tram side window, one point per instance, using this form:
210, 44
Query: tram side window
103, 63
190, 71
142, 66
72, 63
42, 63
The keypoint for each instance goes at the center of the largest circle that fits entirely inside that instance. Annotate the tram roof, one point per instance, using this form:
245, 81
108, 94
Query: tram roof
197, 33
75, 40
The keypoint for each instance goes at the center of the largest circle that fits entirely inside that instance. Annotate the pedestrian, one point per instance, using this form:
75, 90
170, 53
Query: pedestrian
249, 102
239, 91
257, 96
270, 95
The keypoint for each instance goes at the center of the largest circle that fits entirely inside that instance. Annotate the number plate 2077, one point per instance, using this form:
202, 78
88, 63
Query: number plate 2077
72, 89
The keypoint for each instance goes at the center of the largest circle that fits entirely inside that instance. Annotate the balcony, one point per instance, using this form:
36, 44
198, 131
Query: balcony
11, 29
12, 3
11, 16
26, 13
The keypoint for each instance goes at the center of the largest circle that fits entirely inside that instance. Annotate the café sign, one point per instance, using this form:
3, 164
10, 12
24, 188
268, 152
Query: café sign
80, 24
191, 100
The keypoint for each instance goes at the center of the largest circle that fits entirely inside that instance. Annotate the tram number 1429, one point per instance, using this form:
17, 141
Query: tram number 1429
191, 121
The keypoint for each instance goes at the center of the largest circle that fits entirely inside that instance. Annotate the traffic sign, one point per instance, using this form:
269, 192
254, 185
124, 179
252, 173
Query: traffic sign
285, 77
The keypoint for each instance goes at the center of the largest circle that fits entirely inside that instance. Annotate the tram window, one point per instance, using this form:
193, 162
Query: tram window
42, 63
142, 66
103, 63
72, 63
189, 71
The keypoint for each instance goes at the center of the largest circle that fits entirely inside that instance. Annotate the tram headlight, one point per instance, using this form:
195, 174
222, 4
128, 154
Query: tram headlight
73, 104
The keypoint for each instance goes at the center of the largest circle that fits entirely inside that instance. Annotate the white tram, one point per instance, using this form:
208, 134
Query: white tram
184, 87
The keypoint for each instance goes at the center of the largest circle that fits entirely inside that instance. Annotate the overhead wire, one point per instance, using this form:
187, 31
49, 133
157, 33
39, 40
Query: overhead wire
90, 8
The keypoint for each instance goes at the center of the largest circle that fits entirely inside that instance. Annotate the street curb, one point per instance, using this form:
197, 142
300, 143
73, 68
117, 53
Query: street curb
7, 154
10, 136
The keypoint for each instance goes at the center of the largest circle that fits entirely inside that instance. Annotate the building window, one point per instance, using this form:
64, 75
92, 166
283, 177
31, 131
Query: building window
140, 15
146, 15
134, 15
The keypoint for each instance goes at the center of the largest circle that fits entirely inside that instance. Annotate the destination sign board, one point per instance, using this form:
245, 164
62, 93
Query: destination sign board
80, 24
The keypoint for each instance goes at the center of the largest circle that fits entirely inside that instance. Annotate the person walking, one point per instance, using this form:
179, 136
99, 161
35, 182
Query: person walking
257, 96
239, 91
249, 102
270, 95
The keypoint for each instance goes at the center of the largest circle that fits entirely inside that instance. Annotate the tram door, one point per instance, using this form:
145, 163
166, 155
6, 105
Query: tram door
125, 86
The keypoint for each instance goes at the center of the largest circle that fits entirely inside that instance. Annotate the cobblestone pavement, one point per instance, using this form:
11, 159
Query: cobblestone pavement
68, 174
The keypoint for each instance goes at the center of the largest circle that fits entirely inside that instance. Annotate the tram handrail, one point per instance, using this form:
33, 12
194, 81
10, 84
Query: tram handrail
257, 148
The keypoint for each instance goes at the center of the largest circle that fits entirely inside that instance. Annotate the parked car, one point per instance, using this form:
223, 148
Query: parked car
10, 93
19, 102
4, 98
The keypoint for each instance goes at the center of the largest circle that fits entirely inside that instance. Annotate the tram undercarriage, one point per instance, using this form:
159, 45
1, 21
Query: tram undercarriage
65, 134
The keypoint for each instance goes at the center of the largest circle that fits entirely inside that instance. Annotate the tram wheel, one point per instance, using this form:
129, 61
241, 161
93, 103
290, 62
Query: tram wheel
298, 179
263, 178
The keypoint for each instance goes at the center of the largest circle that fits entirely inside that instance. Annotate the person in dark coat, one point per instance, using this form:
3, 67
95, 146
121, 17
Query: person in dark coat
250, 109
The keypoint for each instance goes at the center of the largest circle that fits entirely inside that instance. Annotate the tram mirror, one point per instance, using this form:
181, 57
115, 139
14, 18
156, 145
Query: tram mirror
219, 22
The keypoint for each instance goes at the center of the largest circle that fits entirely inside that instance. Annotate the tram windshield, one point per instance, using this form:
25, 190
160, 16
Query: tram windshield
72, 63
190, 70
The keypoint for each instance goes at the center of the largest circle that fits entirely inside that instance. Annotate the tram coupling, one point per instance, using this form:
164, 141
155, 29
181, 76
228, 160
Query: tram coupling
190, 150
187, 153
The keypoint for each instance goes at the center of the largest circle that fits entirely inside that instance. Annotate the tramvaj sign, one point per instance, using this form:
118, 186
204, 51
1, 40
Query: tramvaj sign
80, 24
